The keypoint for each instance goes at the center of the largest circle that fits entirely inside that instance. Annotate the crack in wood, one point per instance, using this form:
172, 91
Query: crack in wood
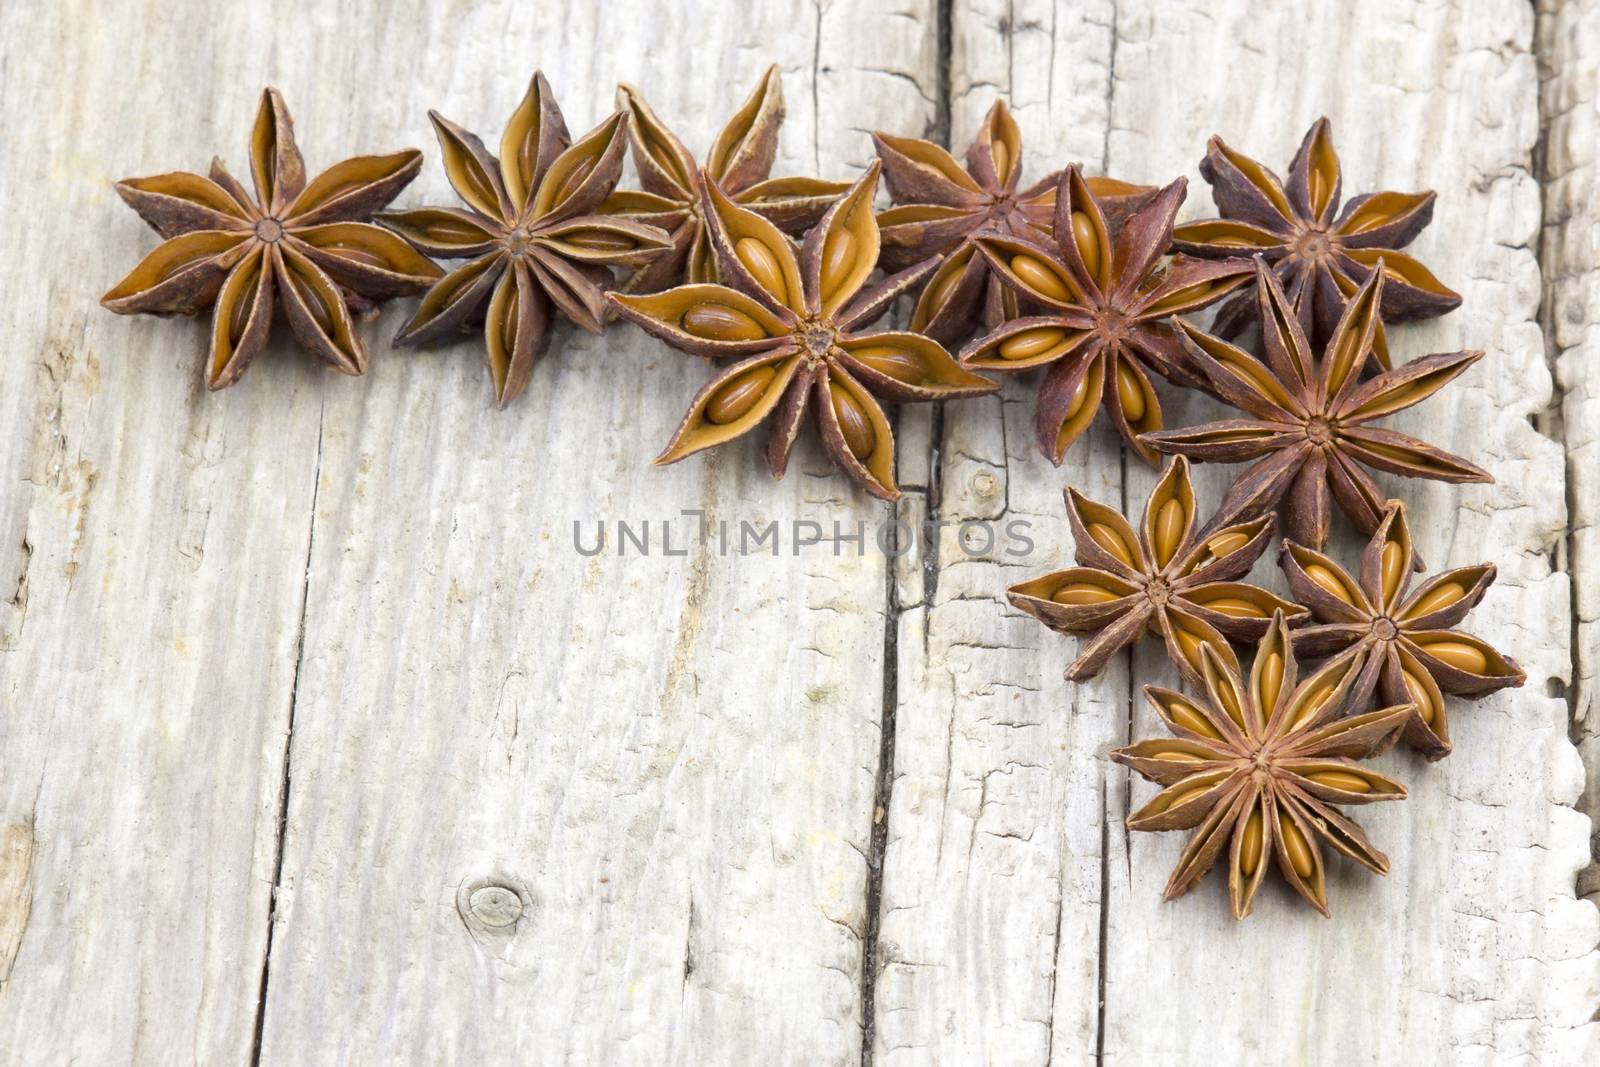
282, 824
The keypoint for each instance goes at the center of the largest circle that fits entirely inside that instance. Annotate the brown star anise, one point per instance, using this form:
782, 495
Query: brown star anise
1307, 431
305, 243
1164, 581
740, 162
1107, 307
1319, 255
1404, 645
795, 324
532, 231
942, 206
1257, 769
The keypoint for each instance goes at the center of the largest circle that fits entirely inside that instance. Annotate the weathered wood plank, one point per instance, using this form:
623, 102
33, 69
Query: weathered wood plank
989, 922
1476, 931
153, 544
547, 807
1569, 47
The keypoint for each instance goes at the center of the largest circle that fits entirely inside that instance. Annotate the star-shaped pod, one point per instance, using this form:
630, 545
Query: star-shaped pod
1403, 641
1306, 435
1107, 308
740, 163
941, 206
304, 243
1164, 580
1319, 254
1258, 770
796, 325
531, 234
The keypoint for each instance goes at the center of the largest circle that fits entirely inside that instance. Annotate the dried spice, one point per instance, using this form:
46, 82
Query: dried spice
1258, 768
532, 232
797, 326
1306, 436
1404, 645
740, 162
305, 243
1319, 255
1163, 580
1107, 308
941, 207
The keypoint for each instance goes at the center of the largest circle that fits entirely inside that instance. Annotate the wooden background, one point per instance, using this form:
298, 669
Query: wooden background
320, 742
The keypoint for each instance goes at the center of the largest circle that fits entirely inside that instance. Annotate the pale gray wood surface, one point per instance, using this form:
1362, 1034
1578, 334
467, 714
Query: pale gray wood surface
314, 664
1569, 38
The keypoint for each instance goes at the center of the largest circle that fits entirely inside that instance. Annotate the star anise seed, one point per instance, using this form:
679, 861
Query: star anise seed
740, 162
941, 207
306, 243
532, 231
1107, 309
1256, 769
1319, 255
1404, 644
796, 325
1306, 432
1164, 581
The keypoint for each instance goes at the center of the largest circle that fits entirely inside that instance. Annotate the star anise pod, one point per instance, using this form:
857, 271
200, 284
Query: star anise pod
797, 326
1306, 429
1319, 254
941, 207
1404, 644
532, 231
1164, 581
740, 162
304, 243
1257, 769
1107, 308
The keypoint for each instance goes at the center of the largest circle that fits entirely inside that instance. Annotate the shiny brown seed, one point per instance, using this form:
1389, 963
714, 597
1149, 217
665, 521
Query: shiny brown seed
1111, 541
1226, 543
1190, 719
1271, 681
939, 292
1235, 607
1188, 647
1312, 703
838, 256
1183, 796
1169, 528
763, 265
859, 436
719, 322
1418, 694
1130, 391
1439, 597
1458, 654
1345, 780
1088, 242
1250, 846
1230, 700
1031, 343
1392, 567
1083, 593
1180, 297
1031, 269
734, 400
1295, 843
901, 364
1329, 581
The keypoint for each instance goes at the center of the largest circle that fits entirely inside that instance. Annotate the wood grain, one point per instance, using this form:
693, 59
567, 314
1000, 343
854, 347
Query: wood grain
321, 741
1005, 965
